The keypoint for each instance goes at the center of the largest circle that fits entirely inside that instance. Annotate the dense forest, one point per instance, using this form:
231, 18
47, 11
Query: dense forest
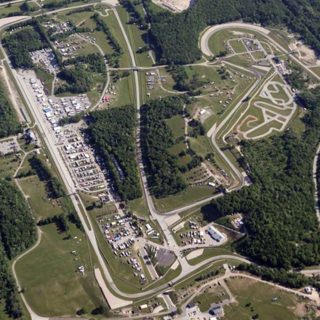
175, 36
8, 120
279, 206
112, 133
93, 61
20, 43
78, 79
17, 233
164, 177
78, 73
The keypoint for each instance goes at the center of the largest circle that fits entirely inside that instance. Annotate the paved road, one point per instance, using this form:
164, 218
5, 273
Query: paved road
204, 41
33, 315
47, 136
107, 71
314, 174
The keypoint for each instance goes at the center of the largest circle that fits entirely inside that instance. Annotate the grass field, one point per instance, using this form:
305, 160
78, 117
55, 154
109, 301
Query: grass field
113, 24
264, 129
46, 78
200, 145
169, 83
210, 296
8, 165
243, 60
9, 9
190, 195
49, 277
77, 18
190, 280
281, 37
176, 124
136, 37
256, 298
139, 207
124, 88
217, 41
38, 199
211, 252
238, 46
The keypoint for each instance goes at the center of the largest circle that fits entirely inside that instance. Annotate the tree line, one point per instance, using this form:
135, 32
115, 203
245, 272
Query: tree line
175, 36
280, 219
17, 233
164, 176
113, 58
20, 43
53, 186
112, 134
9, 124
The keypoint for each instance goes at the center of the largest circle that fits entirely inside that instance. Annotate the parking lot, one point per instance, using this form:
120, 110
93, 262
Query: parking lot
80, 159
121, 232
195, 235
55, 108
46, 59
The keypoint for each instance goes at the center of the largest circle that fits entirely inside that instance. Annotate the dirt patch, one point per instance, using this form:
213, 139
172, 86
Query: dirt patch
174, 5
307, 54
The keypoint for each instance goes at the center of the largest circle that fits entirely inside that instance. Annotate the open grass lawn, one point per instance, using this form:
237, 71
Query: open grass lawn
9, 9
264, 129
38, 199
102, 41
297, 124
124, 88
168, 82
77, 18
281, 37
258, 55
209, 297
48, 274
113, 24
8, 165
217, 43
212, 252
256, 298
177, 125
200, 145
243, 60
190, 195
46, 78
190, 279
87, 48
136, 37
139, 207
238, 46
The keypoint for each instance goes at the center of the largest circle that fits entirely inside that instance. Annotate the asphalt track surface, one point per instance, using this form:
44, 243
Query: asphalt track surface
65, 175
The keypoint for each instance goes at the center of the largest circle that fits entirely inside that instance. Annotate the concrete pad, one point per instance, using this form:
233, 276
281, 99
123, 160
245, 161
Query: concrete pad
158, 309
175, 265
194, 254
113, 301
172, 219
